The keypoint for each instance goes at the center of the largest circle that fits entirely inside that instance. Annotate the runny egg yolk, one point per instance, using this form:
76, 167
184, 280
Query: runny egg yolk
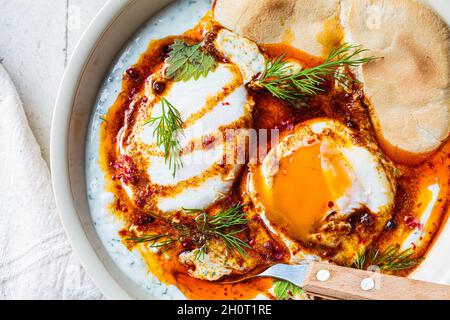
304, 189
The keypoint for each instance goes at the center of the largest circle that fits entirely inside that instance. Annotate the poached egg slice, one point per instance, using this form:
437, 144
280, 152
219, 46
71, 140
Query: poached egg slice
208, 106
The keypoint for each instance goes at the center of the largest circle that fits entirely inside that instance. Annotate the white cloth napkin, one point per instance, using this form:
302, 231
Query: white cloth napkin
36, 260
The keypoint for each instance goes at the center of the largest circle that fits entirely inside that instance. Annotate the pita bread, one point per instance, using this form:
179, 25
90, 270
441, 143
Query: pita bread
310, 25
408, 89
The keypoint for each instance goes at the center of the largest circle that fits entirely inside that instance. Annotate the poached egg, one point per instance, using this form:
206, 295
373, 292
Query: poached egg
311, 182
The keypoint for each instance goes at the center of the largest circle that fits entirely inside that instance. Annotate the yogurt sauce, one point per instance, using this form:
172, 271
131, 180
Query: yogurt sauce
172, 20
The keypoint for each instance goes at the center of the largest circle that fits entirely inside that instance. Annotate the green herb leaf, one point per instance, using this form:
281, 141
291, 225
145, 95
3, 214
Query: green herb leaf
166, 127
223, 226
163, 241
389, 259
285, 290
186, 62
284, 83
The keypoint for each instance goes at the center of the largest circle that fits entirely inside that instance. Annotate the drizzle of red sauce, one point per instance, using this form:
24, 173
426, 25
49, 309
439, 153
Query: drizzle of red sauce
413, 222
125, 169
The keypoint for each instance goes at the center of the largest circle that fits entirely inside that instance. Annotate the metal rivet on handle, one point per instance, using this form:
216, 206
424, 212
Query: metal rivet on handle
367, 284
323, 275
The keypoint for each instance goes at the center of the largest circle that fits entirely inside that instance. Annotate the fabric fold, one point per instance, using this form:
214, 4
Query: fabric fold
36, 259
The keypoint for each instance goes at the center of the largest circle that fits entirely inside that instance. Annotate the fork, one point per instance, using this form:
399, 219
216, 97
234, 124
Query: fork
335, 282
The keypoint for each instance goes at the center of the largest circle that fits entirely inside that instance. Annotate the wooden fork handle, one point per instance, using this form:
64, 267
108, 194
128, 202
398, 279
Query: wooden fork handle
335, 282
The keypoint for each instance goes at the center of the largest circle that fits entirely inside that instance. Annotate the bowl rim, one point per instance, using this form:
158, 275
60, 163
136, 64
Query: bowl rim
59, 145
59, 138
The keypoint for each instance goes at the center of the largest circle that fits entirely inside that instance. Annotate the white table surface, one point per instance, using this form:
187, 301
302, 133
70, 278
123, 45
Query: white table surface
37, 38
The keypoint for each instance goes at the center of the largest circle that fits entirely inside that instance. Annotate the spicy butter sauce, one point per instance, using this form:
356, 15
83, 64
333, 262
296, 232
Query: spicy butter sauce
270, 113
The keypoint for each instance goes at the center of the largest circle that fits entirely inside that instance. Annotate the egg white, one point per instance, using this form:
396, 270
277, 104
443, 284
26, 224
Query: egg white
372, 187
208, 106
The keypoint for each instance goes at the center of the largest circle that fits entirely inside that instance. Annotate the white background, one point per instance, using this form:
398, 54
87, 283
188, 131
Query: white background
37, 38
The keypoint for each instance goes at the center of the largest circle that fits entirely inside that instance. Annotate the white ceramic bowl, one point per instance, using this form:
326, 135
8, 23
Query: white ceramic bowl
109, 31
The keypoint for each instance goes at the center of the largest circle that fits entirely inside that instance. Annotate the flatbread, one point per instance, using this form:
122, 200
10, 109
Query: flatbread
407, 90
310, 25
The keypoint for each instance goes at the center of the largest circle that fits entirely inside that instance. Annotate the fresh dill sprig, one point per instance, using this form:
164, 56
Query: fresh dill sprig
224, 226
360, 261
228, 218
162, 241
288, 85
103, 118
186, 62
285, 290
392, 258
166, 128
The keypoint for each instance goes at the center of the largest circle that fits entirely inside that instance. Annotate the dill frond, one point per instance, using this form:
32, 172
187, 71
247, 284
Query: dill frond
224, 226
392, 258
288, 85
166, 127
